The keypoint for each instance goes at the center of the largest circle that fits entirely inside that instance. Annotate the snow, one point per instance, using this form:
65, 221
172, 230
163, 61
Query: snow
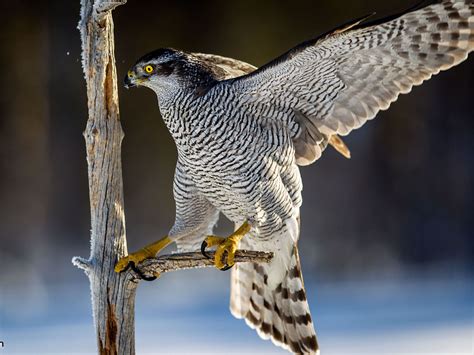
188, 313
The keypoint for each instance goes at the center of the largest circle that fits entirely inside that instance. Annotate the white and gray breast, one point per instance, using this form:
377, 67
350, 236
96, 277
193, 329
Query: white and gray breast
244, 166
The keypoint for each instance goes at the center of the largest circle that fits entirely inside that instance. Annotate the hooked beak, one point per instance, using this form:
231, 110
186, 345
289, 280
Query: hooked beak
129, 81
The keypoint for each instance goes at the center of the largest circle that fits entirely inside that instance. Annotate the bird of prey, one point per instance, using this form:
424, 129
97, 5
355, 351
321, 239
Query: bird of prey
242, 133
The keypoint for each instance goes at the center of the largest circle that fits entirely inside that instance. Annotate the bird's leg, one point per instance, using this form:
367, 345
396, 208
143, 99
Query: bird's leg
225, 246
147, 252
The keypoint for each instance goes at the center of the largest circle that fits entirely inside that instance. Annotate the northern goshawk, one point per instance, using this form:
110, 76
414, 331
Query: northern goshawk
242, 132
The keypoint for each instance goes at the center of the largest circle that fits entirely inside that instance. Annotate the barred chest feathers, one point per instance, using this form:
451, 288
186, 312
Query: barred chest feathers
211, 129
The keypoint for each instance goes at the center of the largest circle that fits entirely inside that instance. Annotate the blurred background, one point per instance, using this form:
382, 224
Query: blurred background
387, 237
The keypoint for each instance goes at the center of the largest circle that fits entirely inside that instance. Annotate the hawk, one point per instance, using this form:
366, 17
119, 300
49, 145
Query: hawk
241, 134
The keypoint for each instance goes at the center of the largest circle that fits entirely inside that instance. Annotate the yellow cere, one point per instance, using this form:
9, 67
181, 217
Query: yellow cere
149, 69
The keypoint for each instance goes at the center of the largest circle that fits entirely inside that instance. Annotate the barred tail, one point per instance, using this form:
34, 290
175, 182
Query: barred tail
278, 313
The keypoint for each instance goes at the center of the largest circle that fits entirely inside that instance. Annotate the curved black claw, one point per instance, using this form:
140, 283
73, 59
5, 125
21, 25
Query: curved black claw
227, 267
131, 264
203, 250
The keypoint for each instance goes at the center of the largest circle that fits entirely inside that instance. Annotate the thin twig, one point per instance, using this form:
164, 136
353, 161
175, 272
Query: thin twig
81, 263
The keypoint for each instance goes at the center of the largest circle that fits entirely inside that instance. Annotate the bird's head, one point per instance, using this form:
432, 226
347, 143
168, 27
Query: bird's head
166, 69
156, 68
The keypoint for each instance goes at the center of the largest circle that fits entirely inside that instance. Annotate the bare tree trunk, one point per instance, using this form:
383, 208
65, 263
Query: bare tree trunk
113, 294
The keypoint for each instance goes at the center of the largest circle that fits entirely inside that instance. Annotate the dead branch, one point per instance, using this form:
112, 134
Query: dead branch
192, 260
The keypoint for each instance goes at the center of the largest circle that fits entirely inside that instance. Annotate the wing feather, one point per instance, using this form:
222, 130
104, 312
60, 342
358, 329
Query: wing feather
231, 67
343, 79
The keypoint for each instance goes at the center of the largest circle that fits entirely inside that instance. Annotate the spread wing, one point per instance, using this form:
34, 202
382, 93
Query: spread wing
335, 83
228, 68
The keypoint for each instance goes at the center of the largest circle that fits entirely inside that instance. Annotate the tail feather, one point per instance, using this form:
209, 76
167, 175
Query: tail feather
280, 314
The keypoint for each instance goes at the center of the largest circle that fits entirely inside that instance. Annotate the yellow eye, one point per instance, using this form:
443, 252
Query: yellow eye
148, 69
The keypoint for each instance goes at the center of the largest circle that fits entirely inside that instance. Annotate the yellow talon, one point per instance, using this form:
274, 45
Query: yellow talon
147, 252
229, 246
212, 240
225, 246
135, 258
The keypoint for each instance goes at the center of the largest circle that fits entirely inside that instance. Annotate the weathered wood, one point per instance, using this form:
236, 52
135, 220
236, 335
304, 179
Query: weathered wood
113, 294
193, 260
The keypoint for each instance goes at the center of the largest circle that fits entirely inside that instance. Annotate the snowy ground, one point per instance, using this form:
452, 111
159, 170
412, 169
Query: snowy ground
409, 315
